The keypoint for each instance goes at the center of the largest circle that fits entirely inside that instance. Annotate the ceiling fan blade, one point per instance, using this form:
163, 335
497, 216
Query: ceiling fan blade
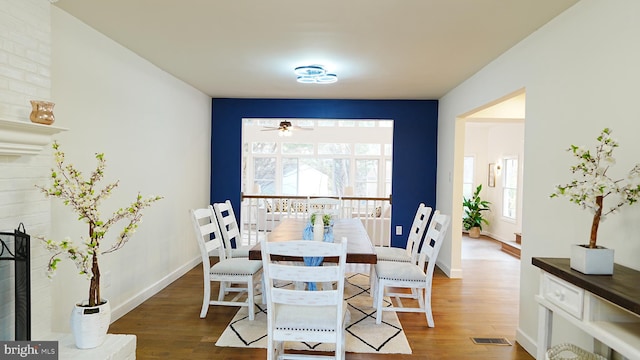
301, 128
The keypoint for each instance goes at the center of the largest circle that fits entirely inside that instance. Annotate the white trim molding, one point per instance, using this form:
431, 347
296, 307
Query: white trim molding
25, 138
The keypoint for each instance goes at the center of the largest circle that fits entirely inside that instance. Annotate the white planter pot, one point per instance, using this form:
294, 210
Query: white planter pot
89, 324
598, 261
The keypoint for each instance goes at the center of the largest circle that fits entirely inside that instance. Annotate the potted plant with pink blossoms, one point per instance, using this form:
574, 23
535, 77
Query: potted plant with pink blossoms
589, 189
83, 196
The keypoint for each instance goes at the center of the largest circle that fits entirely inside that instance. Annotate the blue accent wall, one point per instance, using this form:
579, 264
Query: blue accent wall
415, 136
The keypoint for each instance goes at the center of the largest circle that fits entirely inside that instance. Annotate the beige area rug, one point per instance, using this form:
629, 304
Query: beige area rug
362, 333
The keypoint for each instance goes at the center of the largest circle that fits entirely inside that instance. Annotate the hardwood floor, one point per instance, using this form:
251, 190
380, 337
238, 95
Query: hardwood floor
482, 304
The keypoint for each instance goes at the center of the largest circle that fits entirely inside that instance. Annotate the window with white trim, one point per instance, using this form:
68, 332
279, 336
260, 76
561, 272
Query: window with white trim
356, 153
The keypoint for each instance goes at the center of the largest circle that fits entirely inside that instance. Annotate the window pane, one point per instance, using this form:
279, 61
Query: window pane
509, 203
322, 176
301, 149
367, 149
467, 176
265, 174
290, 176
306, 123
346, 123
366, 177
366, 123
388, 177
388, 149
510, 183
467, 190
263, 147
327, 123
334, 149
511, 173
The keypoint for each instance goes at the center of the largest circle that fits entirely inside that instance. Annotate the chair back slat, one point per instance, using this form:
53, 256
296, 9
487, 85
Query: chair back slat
205, 223
418, 228
308, 298
228, 225
289, 272
433, 239
303, 248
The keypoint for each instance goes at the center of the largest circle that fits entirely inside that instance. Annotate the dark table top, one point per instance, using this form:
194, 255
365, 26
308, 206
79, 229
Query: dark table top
359, 247
622, 288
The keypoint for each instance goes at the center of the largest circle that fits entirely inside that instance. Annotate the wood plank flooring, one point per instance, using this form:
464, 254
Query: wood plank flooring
482, 304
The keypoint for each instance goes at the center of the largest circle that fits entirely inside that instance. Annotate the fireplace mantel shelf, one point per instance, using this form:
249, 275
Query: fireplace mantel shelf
25, 138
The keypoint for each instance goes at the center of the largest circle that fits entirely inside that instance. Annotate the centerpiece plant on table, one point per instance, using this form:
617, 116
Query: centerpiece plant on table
588, 190
326, 219
83, 196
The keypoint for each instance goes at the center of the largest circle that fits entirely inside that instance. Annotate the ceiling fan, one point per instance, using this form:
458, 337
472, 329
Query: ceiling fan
285, 128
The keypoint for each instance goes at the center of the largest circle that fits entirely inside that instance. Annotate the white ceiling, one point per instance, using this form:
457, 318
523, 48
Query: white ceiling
380, 49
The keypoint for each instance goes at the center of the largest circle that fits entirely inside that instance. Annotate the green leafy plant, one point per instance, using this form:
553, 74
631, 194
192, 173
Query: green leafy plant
70, 186
473, 208
326, 219
592, 184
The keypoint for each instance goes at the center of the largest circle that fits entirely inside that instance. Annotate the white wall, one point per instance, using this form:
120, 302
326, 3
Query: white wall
155, 133
581, 75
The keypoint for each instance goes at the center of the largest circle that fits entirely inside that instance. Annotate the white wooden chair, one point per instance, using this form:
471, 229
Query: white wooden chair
302, 315
325, 205
398, 275
230, 231
232, 273
409, 253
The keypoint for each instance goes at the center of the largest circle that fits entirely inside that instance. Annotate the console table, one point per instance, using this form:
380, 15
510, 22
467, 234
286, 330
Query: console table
606, 307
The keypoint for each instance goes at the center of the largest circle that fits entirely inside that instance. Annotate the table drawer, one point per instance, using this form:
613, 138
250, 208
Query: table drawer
563, 294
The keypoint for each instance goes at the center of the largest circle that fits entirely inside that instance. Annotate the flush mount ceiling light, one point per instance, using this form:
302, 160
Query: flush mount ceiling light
314, 74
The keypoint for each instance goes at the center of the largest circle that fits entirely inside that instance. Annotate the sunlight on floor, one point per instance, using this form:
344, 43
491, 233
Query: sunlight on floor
483, 248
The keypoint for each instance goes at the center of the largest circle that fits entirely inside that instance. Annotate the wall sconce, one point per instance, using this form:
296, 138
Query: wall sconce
498, 167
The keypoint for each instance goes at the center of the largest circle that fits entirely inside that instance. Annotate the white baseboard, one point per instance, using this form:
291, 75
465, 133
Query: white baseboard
526, 342
451, 273
145, 294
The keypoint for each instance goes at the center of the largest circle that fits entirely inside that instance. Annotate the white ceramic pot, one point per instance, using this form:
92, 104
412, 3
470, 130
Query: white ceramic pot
598, 261
89, 324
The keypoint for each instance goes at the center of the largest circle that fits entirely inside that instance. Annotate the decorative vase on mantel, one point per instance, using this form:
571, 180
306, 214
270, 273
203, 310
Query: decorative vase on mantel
42, 112
592, 261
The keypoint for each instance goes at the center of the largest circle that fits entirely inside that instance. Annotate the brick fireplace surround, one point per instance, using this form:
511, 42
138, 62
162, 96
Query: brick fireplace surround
25, 57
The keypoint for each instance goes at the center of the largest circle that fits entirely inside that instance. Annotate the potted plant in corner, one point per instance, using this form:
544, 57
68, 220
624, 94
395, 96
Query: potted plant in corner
90, 319
473, 207
589, 189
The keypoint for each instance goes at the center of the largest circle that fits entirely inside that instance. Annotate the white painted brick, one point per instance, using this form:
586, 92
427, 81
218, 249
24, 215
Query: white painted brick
39, 56
22, 87
25, 57
22, 63
11, 72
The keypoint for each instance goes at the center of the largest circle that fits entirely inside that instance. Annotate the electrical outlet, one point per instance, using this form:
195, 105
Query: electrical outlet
106, 279
399, 230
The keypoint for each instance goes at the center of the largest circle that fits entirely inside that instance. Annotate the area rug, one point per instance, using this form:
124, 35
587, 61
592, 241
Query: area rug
362, 333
